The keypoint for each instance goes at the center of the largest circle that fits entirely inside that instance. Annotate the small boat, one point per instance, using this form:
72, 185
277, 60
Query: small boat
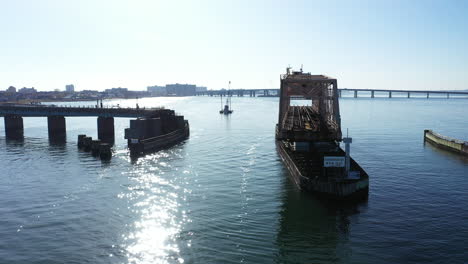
227, 107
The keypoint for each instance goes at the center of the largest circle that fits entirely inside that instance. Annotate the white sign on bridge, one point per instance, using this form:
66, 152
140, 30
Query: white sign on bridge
333, 161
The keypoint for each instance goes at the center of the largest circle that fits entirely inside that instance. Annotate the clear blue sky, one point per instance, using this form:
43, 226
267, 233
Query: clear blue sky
99, 44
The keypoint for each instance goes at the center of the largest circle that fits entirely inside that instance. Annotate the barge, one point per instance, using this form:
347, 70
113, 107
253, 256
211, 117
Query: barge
447, 143
308, 139
153, 134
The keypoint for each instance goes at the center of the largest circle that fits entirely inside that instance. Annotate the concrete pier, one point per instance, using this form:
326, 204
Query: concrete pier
355, 94
106, 129
372, 94
408, 94
14, 128
56, 127
390, 94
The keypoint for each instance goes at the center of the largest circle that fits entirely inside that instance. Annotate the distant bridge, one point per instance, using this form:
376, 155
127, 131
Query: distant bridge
407, 92
275, 92
13, 117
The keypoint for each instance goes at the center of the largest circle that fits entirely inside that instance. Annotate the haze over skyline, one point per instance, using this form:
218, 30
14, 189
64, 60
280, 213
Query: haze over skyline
103, 44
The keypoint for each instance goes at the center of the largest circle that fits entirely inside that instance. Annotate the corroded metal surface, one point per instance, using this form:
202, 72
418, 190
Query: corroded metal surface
319, 121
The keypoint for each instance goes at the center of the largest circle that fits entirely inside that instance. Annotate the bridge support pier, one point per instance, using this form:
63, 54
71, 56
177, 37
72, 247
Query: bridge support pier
448, 95
372, 94
106, 129
339, 93
427, 95
408, 94
390, 94
355, 94
56, 127
14, 128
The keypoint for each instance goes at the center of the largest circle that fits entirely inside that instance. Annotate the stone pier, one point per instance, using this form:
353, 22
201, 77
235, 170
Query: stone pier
14, 128
106, 129
56, 127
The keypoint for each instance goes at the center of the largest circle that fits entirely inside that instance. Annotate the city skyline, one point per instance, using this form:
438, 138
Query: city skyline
97, 45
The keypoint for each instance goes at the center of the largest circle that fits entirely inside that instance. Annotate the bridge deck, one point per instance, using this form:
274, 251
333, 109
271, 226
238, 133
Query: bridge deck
237, 91
307, 119
37, 111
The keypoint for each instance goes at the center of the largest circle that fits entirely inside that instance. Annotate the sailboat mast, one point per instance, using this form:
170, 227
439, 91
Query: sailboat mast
230, 97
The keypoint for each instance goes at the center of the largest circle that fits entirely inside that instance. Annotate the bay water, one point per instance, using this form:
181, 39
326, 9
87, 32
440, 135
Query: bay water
224, 196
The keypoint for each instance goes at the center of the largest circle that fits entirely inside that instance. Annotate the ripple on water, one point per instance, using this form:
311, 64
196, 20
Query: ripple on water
224, 196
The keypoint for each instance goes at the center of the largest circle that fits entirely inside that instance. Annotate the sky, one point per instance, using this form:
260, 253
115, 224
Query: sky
100, 44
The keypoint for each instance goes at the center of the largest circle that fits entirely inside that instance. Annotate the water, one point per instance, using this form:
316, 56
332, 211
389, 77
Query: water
224, 196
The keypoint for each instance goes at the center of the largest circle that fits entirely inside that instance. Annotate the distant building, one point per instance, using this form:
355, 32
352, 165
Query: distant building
180, 89
201, 89
156, 90
117, 92
25, 90
70, 88
176, 89
11, 89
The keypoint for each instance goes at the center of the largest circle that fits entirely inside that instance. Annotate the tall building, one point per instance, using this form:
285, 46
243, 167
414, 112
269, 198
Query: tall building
201, 89
70, 88
176, 89
180, 89
156, 90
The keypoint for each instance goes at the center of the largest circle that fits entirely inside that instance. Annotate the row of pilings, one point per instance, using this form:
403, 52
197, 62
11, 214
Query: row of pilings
56, 126
96, 147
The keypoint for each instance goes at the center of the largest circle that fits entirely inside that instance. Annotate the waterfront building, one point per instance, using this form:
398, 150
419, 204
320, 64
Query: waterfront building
201, 89
70, 88
181, 89
11, 89
26, 90
156, 90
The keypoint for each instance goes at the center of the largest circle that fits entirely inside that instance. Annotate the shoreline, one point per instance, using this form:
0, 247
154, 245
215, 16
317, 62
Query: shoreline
50, 100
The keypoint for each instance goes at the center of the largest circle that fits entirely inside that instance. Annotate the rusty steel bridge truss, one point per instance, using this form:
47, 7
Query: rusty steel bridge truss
318, 122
